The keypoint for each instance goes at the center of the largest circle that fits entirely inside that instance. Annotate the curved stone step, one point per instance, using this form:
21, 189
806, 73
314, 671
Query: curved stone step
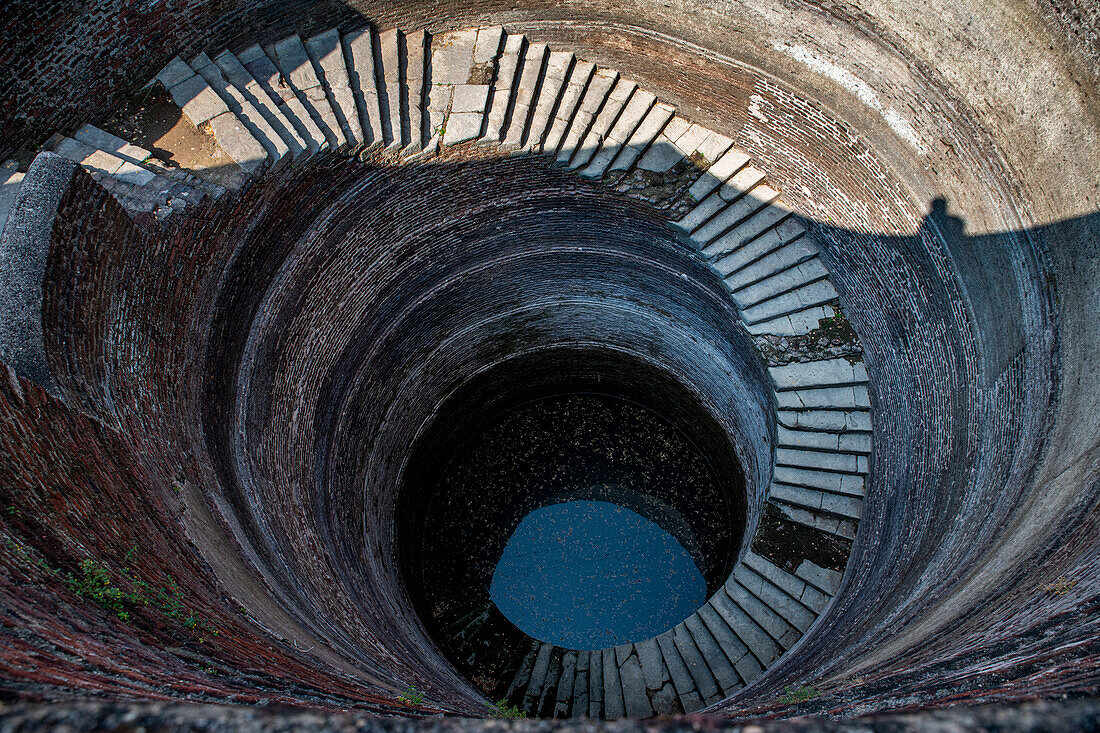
271, 81
628, 120
682, 681
504, 84
359, 52
778, 247
738, 213
595, 95
775, 597
326, 51
290, 56
531, 65
558, 66
579, 76
609, 113
715, 658
240, 77
278, 152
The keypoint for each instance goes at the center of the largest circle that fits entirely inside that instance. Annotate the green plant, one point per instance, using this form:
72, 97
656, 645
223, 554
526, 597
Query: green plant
501, 709
792, 694
411, 695
94, 583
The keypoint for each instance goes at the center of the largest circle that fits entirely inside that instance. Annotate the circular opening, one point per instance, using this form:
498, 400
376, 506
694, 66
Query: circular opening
581, 497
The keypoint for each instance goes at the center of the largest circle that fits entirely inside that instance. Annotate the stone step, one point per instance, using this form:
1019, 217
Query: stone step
532, 64
635, 695
644, 135
595, 95
780, 283
548, 697
682, 681
822, 578
388, 68
714, 656
504, 84
326, 51
833, 421
271, 81
574, 88
848, 484
752, 226
788, 234
793, 324
522, 678
842, 442
532, 695
613, 705
456, 107
738, 214
756, 639
824, 461
204, 107
680, 140
278, 152
817, 519
236, 74
844, 507
851, 397
565, 691
595, 684
817, 293
728, 164
631, 116
746, 665
718, 200
817, 374
604, 121
97, 161
412, 90
765, 618
775, 597
359, 51
578, 702
558, 66
696, 666
10, 181
784, 258
289, 55
808, 595
656, 676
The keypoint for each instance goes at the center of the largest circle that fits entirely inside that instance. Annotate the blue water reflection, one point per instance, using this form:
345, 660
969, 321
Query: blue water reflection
592, 574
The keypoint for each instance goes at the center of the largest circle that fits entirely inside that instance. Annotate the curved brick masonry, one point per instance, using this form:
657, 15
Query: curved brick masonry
263, 360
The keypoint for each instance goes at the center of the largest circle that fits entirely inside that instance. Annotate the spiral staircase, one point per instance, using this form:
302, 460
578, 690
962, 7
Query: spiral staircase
197, 325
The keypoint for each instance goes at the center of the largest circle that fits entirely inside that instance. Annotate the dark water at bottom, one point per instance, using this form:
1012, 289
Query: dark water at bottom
592, 574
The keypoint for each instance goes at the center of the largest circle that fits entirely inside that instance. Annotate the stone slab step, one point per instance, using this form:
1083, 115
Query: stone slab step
635, 696
775, 597
643, 137
851, 397
682, 681
558, 66
595, 684
579, 77
537, 681
817, 374
632, 115
564, 698
696, 665
593, 140
278, 153
843, 442
236, 74
753, 226
821, 578
847, 484
597, 92
455, 107
657, 678
726, 167
613, 704
734, 649
772, 242
780, 283
270, 79
717, 201
289, 54
738, 213
525, 94
797, 588
579, 702
682, 139
713, 655
762, 646
509, 65
326, 51
412, 89
839, 462
389, 89
793, 324
794, 301
817, 519
835, 421
359, 50
819, 501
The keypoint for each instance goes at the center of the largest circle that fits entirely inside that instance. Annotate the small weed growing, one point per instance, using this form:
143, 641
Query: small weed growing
411, 695
501, 709
792, 694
